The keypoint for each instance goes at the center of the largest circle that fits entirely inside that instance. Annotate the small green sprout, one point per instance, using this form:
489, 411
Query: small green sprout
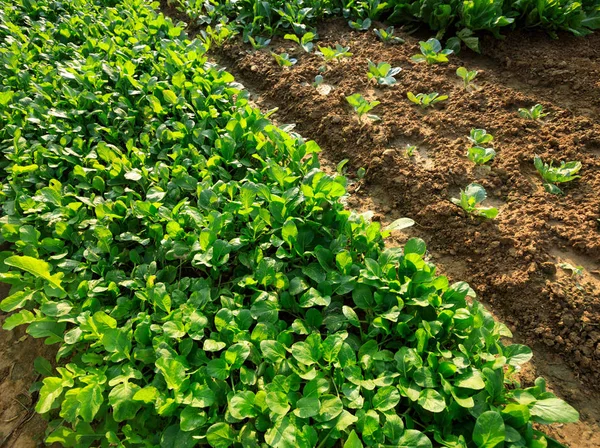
258, 42
534, 113
360, 173
575, 270
480, 137
426, 99
467, 76
383, 73
432, 53
284, 59
387, 36
551, 175
318, 81
360, 25
479, 155
336, 53
219, 34
410, 150
362, 106
305, 42
470, 197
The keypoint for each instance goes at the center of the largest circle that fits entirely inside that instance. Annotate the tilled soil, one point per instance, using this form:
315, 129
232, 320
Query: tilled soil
514, 261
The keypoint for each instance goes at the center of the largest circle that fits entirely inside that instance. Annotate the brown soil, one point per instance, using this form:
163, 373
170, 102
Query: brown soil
513, 262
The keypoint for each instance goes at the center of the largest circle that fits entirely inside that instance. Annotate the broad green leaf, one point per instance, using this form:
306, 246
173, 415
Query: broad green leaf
353, 441
413, 439
220, 435
489, 430
38, 268
553, 410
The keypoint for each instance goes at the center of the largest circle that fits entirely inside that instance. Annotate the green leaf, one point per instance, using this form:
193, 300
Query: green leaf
38, 268
415, 246
277, 402
220, 435
50, 391
16, 301
386, 398
241, 405
331, 407
20, 318
174, 437
307, 407
553, 410
489, 430
122, 402
413, 439
90, 399
353, 441
432, 400
191, 419
173, 372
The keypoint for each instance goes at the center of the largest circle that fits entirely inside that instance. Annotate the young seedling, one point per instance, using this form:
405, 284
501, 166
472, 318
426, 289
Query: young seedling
534, 113
305, 42
337, 53
480, 137
318, 81
426, 99
480, 156
432, 53
576, 271
360, 24
387, 36
219, 34
258, 42
410, 150
467, 77
551, 175
383, 73
362, 106
284, 59
471, 197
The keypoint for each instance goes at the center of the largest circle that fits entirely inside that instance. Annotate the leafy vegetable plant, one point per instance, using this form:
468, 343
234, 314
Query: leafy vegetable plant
469, 201
360, 24
306, 41
258, 42
383, 73
387, 35
362, 106
432, 52
336, 53
480, 137
410, 150
284, 59
318, 81
467, 76
480, 156
426, 99
534, 113
551, 175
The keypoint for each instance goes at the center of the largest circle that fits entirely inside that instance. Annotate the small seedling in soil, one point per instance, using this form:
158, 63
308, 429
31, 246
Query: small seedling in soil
258, 42
566, 172
426, 99
480, 156
337, 53
360, 173
575, 270
362, 106
467, 77
410, 150
432, 53
383, 73
387, 36
305, 42
340, 168
534, 113
480, 137
219, 34
360, 25
471, 197
284, 59
318, 81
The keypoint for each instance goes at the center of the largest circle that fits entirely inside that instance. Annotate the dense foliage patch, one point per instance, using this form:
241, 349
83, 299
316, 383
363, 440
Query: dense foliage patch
198, 272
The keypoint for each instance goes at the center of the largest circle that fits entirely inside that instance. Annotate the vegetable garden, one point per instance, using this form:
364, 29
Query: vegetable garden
193, 272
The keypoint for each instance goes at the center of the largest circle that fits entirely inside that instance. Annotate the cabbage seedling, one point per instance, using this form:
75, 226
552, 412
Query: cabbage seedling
467, 76
551, 175
362, 106
432, 53
336, 53
479, 155
410, 150
426, 99
534, 113
258, 42
471, 197
383, 73
318, 81
305, 42
480, 137
284, 59
387, 36
360, 25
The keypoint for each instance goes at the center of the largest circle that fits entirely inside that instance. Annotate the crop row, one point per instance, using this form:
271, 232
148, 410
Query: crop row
198, 272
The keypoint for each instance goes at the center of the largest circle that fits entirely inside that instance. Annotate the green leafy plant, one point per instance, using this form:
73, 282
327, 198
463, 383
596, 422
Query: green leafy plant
480, 137
576, 271
410, 150
426, 99
337, 53
480, 156
387, 35
432, 52
467, 76
258, 42
469, 201
218, 35
306, 41
360, 24
284, 59
534, 113
362, 106
383, 73
552, 175
318, 81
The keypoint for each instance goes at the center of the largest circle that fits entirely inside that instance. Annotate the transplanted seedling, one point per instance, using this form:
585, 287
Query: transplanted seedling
432, 53
410, 150
362, 106
284, 59
480, 137
534, 113
383, 73
479, 155
305, 41
258, 42
467, 76
318, 81
566, 172
387, 36
360, 24
426, 99
471, 197
337, 53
